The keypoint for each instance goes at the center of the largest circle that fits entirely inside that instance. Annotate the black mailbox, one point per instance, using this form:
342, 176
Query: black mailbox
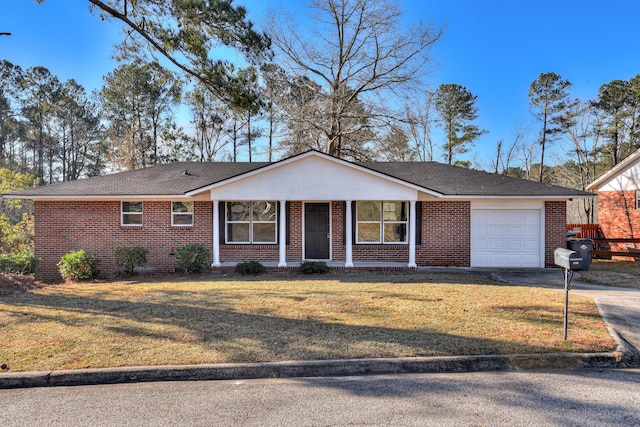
568, 259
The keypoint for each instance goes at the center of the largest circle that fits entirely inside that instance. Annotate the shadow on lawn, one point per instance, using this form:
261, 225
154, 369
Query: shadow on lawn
252, 337
358, 276
543, 314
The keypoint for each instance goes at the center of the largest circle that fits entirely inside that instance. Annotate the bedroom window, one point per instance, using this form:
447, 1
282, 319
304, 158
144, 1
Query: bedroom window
251, 222
131, 213
182, 214
381, 222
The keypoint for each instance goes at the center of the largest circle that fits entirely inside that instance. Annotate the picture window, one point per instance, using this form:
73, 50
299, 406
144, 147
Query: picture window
381, 222
251, 222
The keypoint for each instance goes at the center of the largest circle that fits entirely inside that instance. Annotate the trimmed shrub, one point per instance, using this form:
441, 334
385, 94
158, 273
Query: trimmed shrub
250, 267
78, 265
193, 258
130, 258
314, 267
19, 263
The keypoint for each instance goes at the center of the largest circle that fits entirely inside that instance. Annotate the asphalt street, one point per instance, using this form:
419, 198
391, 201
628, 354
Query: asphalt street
578, 398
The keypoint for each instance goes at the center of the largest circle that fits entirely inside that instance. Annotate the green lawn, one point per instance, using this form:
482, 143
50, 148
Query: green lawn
216, 318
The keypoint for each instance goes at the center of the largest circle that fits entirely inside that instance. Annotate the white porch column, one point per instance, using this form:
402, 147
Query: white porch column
349, 235
412, 234
216, 234
282, 212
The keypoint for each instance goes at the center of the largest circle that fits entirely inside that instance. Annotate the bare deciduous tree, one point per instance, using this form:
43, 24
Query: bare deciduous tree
506, 154
417, 124
355, 50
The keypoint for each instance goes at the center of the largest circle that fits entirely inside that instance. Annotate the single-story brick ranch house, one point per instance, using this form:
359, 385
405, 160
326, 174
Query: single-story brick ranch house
311, 206
619, 203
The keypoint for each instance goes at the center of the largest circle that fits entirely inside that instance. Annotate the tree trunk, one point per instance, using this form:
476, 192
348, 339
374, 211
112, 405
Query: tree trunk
249, 134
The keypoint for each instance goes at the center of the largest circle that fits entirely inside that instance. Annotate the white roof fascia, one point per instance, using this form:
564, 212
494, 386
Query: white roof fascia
613, 172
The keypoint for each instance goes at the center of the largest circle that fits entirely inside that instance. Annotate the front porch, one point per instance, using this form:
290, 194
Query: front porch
321, 231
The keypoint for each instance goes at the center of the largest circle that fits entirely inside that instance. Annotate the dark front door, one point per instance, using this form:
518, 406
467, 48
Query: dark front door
316, 231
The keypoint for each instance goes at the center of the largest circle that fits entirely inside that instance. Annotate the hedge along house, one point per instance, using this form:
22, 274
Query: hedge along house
307, 207
619, 204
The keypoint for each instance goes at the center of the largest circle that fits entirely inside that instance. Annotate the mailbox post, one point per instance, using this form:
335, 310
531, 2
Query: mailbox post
568, 261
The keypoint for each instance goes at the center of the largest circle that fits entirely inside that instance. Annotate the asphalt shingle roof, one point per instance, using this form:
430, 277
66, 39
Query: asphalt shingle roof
457, 181
177, 179
169, 179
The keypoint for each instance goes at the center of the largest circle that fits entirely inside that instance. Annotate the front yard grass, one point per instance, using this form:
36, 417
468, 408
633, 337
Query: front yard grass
625, 274
215, 318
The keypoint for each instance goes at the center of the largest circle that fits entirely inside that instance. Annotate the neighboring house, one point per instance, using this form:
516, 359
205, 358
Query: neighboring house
307, 207
619, 202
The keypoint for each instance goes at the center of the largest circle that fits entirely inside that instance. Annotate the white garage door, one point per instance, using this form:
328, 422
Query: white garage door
506, 238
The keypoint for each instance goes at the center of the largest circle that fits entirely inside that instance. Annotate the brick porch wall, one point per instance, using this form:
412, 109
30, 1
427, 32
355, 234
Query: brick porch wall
370, 253
555, 218
618, 217
61, 227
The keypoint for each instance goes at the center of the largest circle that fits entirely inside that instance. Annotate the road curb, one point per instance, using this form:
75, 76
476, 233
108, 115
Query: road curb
314, 368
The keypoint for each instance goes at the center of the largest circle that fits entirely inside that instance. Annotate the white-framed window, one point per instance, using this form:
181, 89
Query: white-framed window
381, 222
182, 214
251, 222
131, 213
637, 199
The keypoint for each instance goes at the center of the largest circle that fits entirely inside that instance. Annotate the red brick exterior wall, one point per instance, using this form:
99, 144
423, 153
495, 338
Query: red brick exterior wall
446, 234
555, 218
95, 227
618, 217
61, 227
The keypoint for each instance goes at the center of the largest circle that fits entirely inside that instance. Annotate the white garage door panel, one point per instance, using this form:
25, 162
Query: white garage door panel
506, 237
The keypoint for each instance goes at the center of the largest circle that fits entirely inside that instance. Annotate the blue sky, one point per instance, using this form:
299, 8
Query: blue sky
495, 48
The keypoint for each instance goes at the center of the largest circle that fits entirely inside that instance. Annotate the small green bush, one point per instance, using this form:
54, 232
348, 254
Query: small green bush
130, 258
193, 258
78, 265
23, 262
250, 267
314, 267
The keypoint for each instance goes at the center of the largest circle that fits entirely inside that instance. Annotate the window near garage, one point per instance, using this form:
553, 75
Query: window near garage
637, 199
381, 222
182, 214
251, 222
131, 213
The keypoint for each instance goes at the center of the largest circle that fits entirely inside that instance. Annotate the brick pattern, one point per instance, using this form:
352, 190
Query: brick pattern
61, 227
619, 218
446, 234
555, 218
95, 227
338, 249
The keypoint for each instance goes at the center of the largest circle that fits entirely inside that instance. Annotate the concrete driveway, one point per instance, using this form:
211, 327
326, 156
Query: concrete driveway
620, 307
